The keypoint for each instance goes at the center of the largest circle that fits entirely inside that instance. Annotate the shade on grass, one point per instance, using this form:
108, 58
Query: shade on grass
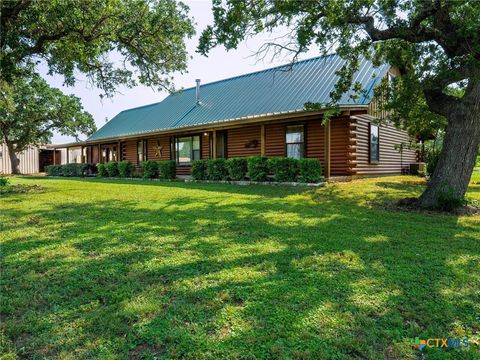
99, 269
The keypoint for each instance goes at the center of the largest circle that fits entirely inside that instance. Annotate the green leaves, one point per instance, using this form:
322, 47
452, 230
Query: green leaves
427, 42
30, 111
112, 42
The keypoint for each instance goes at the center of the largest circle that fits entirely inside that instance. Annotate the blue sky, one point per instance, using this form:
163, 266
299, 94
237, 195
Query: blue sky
220, 64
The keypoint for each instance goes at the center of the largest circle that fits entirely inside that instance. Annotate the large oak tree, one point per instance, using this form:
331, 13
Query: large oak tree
434, 43
111, 42
31, 110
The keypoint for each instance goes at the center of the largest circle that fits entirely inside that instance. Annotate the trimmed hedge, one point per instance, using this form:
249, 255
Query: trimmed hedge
125, 169
149, 169
309, 170
237, 168
112, 168
71, 170
217, 169
283, 169
54, 170
257, 168
167, 169
102, 170
199, 169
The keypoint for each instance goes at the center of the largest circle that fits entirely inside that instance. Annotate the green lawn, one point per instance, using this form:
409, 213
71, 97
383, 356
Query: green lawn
126, 270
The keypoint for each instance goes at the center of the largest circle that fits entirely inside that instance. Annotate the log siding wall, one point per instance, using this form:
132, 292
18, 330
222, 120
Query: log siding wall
246, 141
349, 143
391, 161
315, 139
129, 151
339, 141
205, 146
240, 141
275, 140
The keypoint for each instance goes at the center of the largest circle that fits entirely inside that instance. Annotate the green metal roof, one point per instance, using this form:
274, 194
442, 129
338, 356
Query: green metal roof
277, 90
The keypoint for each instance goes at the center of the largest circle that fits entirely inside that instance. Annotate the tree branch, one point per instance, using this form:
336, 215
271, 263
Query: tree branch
440, 103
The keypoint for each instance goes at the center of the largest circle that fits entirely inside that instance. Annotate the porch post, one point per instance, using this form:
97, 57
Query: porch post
262, 140
119, 153
82, 158
327, 150
54, 156
214, 144
99, 154
68, 155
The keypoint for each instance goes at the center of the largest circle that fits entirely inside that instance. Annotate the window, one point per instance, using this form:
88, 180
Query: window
187, 149
104, 155
141, 151
374, 144
295, 141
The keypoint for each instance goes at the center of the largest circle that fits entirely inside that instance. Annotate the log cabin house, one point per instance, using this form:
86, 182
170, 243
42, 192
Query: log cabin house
261, 113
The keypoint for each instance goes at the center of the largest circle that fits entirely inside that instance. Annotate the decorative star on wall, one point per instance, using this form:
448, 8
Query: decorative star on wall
158, 149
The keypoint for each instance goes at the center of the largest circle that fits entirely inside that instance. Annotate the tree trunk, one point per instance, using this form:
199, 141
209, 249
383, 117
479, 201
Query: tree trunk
14, 162
457, 158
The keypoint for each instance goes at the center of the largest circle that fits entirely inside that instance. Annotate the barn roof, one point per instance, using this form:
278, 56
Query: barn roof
277, 90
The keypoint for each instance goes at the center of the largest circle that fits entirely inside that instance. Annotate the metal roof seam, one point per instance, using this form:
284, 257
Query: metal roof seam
270, 91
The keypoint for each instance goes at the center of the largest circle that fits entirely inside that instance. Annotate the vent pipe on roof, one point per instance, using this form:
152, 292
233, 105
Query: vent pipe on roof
197, 92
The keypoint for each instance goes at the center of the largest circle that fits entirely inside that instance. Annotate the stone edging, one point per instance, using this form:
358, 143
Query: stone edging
231, 182
247, 182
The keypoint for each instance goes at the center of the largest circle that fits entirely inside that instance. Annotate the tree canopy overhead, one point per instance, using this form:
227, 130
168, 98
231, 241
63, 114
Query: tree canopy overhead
111, 42
146, 36
434, 43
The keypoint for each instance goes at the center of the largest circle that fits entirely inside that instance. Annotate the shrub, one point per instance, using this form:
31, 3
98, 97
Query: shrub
149, 169
78, 170
3, 181
167, 169
283, 169
112, 168
237, 168
310, 170
125, 169
71, 170
217, 169
199, 169
54, 170
257, 167
102, 170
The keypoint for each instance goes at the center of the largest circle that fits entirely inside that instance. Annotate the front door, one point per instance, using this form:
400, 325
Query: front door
221, 144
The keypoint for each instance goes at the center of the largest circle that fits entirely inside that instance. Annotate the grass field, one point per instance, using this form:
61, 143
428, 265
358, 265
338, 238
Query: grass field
126, 270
